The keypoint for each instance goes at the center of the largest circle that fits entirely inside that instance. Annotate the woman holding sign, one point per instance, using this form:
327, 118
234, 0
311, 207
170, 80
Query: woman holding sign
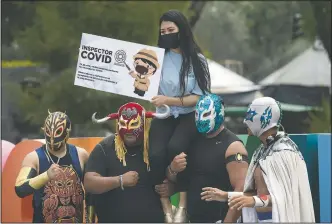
185, 76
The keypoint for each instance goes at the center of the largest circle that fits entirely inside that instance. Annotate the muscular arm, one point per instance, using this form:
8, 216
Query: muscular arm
186, 101
262, 189
27, 180
84, 156
94, 179
89, 209
170, 175
237, 171
96, 184
260, 200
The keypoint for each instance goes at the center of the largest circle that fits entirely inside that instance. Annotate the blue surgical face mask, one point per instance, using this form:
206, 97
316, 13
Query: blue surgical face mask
209, 114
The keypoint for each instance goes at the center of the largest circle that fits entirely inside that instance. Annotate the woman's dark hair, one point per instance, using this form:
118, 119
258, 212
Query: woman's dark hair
190, 52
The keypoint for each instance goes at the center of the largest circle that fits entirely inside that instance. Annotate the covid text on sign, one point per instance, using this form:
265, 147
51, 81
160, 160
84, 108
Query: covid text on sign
119, 67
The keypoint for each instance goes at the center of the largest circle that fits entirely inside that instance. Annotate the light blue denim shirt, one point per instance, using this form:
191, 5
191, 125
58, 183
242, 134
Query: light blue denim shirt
170, 83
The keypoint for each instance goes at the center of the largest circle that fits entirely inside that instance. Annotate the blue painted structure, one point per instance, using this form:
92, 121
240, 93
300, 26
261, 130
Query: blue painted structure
324, 162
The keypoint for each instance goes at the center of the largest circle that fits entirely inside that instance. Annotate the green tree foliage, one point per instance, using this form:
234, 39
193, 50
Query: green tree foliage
320, 121
322, 15
258, 33
15, 16
55, 34
54, 37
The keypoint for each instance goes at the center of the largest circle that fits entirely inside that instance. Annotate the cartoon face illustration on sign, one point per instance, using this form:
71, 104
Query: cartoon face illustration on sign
145, 64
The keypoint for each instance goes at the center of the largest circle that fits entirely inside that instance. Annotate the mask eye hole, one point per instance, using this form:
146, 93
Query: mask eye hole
135, 123
207, 114
122, 123
58, 132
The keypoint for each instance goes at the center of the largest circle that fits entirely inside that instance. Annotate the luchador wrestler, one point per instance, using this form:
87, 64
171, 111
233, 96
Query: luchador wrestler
277, 175
217, 158
146, 64
53, 173
117, 171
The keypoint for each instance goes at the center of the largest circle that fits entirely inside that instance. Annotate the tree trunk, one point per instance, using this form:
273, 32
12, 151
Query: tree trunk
322, 14
197, 7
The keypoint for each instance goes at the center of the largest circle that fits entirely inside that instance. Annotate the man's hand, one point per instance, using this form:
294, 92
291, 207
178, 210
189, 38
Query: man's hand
213, 194
130, 179
53, 171
239, 202
164, 189
179, 163
159, 100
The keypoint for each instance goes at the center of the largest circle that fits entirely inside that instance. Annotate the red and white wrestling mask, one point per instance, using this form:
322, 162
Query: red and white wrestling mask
131, 119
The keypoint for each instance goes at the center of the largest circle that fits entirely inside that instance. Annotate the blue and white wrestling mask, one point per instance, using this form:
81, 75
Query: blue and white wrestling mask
263, 114
209, 114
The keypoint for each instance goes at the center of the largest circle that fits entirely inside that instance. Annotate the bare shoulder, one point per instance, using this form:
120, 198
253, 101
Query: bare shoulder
236, 147
31, 160
83, 154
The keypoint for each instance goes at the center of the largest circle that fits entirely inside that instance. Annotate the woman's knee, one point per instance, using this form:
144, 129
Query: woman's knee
175, 148
180, 143
156, 158
185, 133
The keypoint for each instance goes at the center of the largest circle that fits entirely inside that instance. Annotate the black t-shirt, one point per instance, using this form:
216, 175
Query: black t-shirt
206, 168
135, 204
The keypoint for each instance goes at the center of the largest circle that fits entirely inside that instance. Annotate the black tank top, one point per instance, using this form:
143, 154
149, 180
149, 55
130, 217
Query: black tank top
60, 200
207, 168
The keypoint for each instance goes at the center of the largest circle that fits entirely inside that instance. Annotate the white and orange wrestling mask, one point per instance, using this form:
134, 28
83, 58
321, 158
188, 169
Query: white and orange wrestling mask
132, 128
